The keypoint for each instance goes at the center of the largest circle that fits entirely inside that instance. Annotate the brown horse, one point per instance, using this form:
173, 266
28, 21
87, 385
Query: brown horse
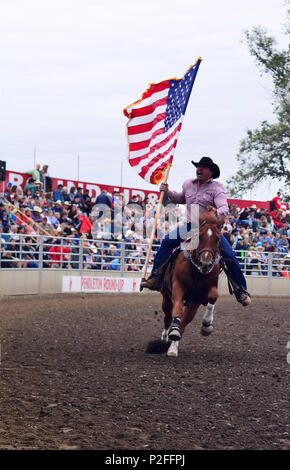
191, 280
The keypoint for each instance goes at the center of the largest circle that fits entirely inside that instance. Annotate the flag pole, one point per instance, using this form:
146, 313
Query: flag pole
157, 213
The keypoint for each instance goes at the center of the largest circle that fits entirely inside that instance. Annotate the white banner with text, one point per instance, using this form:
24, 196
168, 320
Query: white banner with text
100, 284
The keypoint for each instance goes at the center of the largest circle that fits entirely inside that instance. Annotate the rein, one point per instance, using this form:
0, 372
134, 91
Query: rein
197, 264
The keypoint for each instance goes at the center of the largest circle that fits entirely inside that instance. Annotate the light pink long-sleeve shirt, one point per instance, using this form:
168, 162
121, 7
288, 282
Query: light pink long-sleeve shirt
210, 193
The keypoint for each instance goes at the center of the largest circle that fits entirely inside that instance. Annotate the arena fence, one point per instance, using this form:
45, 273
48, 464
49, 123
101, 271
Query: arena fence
39, 255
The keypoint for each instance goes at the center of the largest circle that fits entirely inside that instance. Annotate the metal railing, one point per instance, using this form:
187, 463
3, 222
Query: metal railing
39, 252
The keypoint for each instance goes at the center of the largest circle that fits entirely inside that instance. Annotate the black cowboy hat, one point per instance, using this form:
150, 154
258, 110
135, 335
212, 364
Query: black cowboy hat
207, 161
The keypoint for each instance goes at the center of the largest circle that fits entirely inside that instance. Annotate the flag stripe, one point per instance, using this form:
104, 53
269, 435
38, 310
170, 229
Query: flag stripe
147, 126
154, 88
145, 169
144, 110
147, 135
144, 119
156, 148
159, 95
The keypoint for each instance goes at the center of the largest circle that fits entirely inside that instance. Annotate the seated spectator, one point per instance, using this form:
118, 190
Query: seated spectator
87, 202
244, 218
226, 234
57, 207
51, 219
136, 264
86, 225
45, 226
251, 260
284, 244
114, 265
57, 194
93, 258
32, 186
36, 214
228, 225
65, 194
284, 230
270, 224
6, 261
71, 194
276, 216
262, 261
59, 254
29, 255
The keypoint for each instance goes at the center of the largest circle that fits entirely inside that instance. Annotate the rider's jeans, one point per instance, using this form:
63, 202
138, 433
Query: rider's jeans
173, 240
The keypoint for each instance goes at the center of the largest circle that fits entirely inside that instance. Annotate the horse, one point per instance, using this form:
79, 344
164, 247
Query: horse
191, 280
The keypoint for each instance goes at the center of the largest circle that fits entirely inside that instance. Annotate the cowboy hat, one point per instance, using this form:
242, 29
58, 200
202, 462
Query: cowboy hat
207, 161
128, 233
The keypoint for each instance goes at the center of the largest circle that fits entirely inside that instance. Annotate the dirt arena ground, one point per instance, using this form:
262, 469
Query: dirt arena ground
86, 372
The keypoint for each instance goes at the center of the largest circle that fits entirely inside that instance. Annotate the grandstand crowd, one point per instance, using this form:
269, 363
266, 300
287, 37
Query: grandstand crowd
63, 217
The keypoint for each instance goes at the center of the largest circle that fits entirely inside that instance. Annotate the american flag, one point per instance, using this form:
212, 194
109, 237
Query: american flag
155, 122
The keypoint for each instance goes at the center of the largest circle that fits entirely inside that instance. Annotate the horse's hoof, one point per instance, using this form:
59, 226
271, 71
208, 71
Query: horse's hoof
173, 349
206, 329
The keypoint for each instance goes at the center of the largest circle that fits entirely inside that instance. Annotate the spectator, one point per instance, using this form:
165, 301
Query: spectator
29, 254
65, 194
58, 194
71, 194
244, 218
103, 200
86, 225
60, 254
87, 202
36, 214
6, 261
276, 202
227, 235
283, 230
45, 179
93, 259
35, 173
262, 261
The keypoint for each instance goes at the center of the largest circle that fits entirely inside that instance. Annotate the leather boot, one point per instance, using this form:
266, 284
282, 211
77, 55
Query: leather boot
153, 282
243, 297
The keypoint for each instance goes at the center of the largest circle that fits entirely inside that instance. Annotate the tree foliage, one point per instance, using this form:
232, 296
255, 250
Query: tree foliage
264, 153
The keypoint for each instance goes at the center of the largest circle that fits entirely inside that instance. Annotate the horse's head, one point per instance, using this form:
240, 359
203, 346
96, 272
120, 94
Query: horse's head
206, 255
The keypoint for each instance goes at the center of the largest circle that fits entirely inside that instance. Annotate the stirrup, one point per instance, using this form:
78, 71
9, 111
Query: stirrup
152, 283
242, 296
155, 279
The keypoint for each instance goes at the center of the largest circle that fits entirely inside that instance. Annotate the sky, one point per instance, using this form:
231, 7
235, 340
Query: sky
68, 68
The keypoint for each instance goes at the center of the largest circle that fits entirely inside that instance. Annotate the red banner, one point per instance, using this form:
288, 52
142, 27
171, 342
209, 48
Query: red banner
20, 180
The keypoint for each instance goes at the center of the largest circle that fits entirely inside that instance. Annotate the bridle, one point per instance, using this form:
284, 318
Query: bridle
196, 262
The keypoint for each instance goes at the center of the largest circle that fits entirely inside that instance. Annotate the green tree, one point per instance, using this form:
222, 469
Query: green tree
264, 153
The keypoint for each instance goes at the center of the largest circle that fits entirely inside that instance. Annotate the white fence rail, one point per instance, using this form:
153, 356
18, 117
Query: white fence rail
77, 256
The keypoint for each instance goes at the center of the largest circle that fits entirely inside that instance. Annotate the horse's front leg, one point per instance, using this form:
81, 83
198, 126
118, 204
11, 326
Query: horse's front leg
207, 321
167, 308
176, 329
187, 316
